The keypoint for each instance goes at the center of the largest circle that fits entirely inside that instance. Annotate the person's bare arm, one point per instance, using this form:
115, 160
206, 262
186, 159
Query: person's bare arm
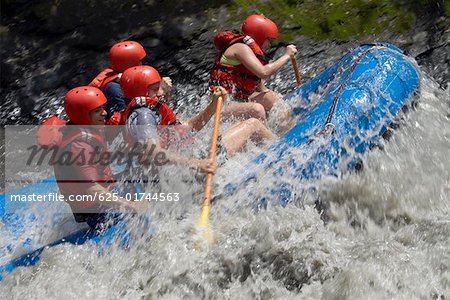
245, 55
200, 120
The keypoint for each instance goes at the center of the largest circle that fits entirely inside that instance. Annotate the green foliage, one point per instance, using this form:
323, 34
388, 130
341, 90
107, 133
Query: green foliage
337, 19
447, 7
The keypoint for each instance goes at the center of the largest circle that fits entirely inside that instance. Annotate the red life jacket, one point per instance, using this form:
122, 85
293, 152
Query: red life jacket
166, 114
236, 79
50, 132
102, 79
168, 117
53, 132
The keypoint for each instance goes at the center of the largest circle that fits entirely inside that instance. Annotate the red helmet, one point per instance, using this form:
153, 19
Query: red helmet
135, 81
80, 101
125, 55
259, 28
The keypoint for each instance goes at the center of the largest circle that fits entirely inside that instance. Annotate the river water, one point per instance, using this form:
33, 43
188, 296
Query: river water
384, 233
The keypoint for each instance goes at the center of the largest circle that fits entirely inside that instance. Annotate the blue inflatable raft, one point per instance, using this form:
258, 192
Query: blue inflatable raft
340, 115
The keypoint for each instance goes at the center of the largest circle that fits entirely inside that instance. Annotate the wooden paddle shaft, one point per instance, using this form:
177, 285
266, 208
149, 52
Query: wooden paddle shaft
212, 152
297, 73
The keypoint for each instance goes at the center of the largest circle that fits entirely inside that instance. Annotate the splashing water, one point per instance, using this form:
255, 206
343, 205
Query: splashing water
383, 233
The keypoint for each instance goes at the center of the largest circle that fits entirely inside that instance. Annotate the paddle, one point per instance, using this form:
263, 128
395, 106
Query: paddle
293, 60
297, 73
203, 220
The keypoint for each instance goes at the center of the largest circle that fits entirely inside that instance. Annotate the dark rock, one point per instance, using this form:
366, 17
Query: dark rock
436, 59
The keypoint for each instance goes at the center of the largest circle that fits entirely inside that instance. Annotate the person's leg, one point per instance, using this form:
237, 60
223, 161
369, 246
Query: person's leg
280, 119
266, 99
235, 138
244, 110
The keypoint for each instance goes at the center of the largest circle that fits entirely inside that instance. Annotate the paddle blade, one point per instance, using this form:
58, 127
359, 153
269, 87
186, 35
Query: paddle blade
204, 225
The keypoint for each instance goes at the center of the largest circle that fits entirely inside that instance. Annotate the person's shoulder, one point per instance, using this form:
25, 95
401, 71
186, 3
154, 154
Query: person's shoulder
241, 48
113, 86
143, 116
142, 123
